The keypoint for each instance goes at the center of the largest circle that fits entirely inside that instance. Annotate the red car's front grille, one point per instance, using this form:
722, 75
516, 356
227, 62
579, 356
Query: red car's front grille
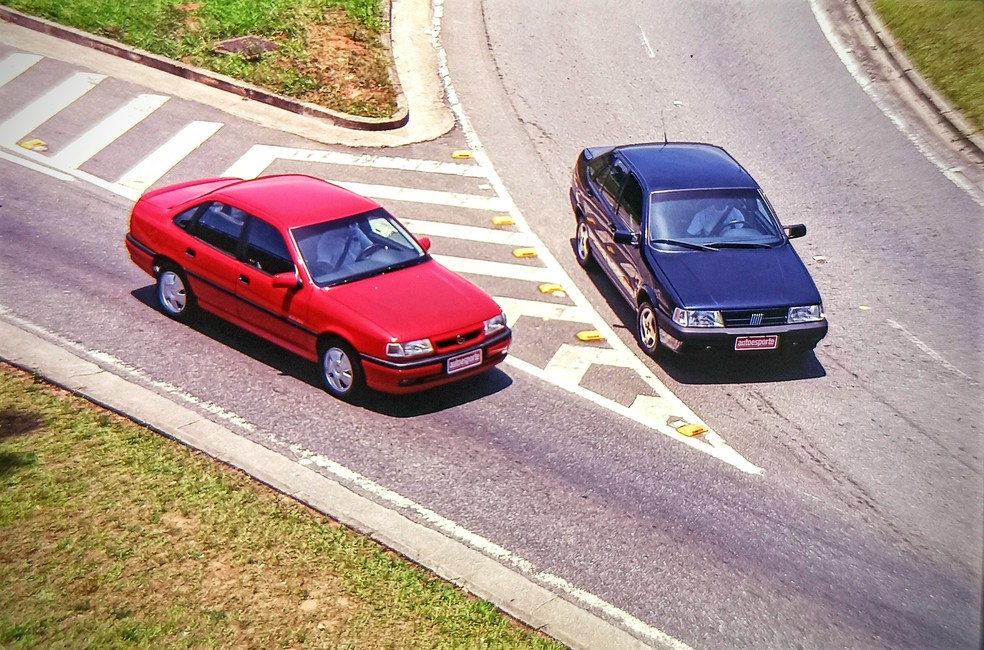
458, 340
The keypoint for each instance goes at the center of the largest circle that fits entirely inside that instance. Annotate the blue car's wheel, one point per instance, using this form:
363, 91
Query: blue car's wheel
647, 329
582, 248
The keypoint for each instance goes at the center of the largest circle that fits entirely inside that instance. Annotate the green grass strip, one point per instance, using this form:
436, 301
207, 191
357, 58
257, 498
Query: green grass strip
944, 39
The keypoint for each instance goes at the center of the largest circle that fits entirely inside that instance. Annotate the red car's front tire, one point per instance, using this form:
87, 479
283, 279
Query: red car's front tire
341, 370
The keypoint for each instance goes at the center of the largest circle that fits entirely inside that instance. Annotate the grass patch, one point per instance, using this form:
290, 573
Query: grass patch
328, 52
113, 536
945, 41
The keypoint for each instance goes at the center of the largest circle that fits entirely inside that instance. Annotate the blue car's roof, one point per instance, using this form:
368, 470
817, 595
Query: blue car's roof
684, 166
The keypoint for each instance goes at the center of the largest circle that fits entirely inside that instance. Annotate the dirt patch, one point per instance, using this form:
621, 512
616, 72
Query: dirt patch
349, 65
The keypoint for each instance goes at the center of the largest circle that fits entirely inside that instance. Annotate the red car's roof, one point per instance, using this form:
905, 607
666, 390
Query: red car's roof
293, 200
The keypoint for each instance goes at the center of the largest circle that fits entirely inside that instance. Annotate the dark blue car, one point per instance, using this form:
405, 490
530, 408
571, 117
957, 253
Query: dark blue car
690, 241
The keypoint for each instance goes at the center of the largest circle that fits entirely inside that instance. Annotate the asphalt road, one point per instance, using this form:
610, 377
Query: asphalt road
864, 530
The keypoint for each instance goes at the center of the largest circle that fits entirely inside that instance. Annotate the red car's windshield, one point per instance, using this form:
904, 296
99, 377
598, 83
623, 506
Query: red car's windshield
356, 247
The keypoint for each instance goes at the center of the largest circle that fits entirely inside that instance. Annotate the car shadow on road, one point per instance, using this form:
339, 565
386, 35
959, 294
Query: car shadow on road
439, 398
711, 367
288, 364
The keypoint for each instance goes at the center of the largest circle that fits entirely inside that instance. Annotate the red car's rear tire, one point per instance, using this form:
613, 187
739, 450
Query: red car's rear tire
174, 296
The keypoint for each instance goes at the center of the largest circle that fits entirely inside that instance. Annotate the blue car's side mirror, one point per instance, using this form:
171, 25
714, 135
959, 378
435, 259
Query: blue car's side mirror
795, 230
626, 237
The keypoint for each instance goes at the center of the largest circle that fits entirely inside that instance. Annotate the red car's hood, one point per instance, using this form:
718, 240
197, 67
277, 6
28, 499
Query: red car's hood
421, 301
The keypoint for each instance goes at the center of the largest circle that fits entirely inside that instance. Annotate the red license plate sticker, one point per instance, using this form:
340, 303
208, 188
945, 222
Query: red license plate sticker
756, 343
464, 361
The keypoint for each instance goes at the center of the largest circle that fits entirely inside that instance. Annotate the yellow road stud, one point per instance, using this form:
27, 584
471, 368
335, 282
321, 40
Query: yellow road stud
691, 430
34, 144
461, 154
503, 220
551, 288
590, 335
524, 252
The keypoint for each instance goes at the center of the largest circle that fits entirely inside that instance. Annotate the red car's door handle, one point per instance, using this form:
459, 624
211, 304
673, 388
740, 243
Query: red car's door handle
244, 279
190, 252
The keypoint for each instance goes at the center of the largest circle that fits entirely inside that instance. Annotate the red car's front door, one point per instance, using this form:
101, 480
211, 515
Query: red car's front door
272, 302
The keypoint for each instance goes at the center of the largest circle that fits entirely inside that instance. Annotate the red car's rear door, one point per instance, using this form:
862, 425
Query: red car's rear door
209, 258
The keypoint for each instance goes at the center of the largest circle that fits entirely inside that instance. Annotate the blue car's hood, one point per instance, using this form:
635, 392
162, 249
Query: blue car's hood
738, 278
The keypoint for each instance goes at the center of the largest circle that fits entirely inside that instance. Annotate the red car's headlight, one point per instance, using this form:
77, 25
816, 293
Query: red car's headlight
495, 324
411, 349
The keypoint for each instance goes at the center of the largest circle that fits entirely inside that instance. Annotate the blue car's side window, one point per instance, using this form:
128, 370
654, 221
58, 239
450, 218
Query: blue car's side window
630, 204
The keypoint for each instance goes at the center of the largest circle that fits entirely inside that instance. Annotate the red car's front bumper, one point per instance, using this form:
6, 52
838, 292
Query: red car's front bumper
388, 377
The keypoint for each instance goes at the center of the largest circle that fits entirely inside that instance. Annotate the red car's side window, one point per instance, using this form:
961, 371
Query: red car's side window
266, 250
221, 225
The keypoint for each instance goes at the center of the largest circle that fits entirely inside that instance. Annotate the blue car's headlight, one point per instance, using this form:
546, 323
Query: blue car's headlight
697, 318
804, 314
411, 349
495, 324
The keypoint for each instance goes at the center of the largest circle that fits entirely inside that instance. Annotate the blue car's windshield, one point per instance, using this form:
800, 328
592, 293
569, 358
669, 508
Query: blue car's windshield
711, 218
344, 250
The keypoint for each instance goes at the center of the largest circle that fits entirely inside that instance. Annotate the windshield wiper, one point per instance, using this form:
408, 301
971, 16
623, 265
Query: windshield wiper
396, 266
684, 244
738, 244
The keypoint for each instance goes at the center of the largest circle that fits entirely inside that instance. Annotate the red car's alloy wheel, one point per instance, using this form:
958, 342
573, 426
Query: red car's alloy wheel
342, 370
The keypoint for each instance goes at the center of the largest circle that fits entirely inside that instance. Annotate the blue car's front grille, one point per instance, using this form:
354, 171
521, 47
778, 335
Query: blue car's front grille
754, 317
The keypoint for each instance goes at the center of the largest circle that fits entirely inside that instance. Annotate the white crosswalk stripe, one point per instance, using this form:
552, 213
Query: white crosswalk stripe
107, 131
47, 106
470, 233
471, 266
15, 64
430, 197
169, 154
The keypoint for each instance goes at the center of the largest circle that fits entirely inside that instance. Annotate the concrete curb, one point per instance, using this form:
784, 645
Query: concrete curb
228, 84
509, 590
956, 122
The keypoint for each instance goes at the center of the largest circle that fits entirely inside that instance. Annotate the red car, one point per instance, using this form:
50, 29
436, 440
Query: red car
323, 272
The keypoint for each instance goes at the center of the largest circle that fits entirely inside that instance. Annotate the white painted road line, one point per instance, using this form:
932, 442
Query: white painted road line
107, 131
516, 308
571, 362
470, 233
15, 64
430, 197
47, 106
933, 354
498, 269
169, 154
645, 43
33, 166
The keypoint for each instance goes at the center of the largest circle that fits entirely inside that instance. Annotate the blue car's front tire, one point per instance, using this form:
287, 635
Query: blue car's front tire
647, 329
582, 247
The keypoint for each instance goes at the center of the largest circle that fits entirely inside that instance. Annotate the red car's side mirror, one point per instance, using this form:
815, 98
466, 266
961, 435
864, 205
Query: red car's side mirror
425, 243
286, 281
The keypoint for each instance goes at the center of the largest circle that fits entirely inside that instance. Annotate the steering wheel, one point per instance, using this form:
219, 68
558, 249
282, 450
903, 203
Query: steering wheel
369, 251
733, 223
